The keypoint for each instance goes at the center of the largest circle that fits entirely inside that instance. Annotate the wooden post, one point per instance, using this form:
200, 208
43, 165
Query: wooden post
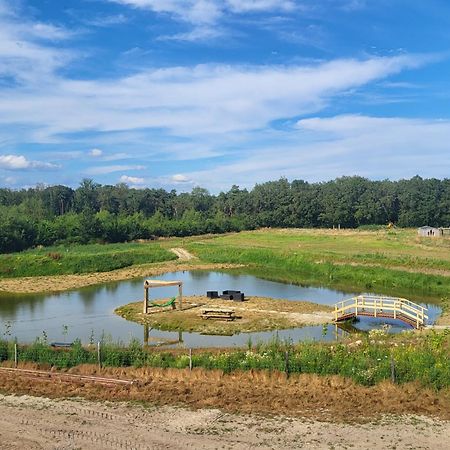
180, 296
145, 300
392, 370
15, 356
99, 356
190, 360
146, 334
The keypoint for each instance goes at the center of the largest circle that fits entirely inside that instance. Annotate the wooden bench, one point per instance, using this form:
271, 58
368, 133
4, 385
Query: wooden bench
218, 314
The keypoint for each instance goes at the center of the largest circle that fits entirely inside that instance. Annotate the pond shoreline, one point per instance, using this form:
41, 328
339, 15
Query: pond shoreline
63, 283
253, 315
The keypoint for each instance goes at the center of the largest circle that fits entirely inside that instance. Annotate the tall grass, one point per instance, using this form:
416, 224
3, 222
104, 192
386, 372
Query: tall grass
281, 265
80, 259
369, 361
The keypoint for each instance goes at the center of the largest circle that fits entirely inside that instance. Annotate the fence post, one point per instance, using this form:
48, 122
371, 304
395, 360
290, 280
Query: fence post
99, 355
15, 355
392, 370
190, 360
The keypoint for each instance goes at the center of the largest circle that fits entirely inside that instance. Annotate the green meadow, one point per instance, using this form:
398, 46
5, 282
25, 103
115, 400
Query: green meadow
78, 259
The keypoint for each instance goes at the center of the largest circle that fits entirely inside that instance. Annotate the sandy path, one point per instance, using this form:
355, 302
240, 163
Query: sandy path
41, 423
183, 254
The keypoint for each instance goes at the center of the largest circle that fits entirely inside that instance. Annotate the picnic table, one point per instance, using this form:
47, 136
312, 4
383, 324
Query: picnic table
218, 314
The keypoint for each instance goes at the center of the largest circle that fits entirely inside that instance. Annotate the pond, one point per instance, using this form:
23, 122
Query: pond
88, 313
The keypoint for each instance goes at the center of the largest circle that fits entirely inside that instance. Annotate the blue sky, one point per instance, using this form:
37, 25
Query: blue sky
180, 93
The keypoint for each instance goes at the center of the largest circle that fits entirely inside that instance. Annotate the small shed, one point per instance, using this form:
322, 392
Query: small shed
429, 231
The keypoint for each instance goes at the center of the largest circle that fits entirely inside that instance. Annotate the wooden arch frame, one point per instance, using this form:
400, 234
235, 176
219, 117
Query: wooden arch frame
158, 283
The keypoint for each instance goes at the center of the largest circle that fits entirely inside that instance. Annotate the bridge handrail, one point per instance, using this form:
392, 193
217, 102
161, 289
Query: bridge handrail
399, 306
391, 304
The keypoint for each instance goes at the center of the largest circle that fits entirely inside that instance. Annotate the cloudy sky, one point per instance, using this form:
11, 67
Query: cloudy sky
179, 93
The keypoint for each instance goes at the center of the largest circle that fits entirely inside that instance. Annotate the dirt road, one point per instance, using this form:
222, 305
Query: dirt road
41, 423
208, 409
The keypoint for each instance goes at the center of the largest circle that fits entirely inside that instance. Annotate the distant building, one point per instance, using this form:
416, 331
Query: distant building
430, 231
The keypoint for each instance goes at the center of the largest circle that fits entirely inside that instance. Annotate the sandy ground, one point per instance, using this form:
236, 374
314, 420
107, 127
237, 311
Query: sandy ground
254, 314
41, 423
59, 283
183, 254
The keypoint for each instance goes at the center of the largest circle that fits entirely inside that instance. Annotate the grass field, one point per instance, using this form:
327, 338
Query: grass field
393, 262
75, 259
389, 262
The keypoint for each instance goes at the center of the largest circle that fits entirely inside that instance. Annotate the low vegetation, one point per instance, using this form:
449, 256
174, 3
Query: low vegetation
386, 262
371, 359
76, 259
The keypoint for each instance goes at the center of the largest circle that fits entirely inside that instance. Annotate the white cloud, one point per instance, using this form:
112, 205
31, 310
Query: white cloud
116, 157
9, 180
326, 148
96, 152
106, 21
102, 170
205, 15
20, 162
192, 11
179, 178
243, 6
199, 33
189, 101
100, 154
24, 51
131, 180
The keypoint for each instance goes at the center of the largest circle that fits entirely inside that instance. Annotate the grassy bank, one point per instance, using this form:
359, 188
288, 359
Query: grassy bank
77, 259
374, 358
338, 260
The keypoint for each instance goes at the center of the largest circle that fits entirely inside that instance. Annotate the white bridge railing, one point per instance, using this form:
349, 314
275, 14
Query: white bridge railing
377, 306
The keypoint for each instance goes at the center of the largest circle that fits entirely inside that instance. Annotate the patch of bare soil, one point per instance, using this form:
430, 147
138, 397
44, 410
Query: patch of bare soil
59, 283
42, 423
240, 410
254, 314
183, 254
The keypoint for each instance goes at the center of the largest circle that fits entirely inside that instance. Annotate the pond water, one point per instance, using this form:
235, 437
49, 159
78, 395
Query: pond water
88, 313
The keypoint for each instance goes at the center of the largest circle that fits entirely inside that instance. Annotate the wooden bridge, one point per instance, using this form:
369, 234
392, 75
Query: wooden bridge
377, 306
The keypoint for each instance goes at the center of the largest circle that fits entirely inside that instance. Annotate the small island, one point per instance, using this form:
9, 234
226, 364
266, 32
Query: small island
252, 315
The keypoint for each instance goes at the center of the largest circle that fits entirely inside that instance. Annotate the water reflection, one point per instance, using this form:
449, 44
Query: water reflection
88, 313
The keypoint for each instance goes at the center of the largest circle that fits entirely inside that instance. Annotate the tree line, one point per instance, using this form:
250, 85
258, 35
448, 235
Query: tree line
105, 213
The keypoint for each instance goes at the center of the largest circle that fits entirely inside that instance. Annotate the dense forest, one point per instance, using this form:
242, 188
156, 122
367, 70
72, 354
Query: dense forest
96, 213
